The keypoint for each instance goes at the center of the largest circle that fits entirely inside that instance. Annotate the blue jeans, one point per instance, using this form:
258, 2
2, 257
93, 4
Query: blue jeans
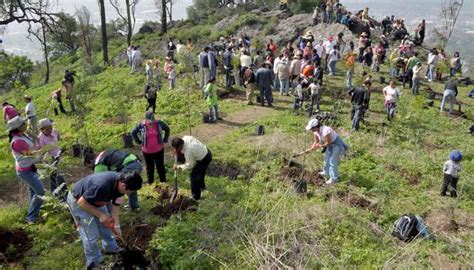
357, 116
284, 85
332, 67
266, 94
448, 93
391, 109
415, 89
431, 73
35, 191
331, 158
135, 166
276, 84
350, 72
90, 229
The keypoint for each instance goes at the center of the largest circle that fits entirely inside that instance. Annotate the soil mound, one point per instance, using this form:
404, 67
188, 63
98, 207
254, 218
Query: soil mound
230, 171
165, 209
138, 235
294, 172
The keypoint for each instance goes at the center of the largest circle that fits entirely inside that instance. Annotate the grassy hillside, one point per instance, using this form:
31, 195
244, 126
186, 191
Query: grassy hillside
256, 220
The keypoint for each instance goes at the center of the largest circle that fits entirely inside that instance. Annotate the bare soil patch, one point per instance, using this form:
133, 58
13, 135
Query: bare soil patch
13, 245
165, 209
354, 200
217, 169
138, 235
294, 172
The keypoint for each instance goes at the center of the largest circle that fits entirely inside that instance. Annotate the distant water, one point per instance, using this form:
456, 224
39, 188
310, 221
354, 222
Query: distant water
413, 11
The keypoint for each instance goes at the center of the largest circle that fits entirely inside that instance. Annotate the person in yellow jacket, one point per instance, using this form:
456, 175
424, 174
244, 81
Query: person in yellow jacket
350, 65
393, 58
211, 99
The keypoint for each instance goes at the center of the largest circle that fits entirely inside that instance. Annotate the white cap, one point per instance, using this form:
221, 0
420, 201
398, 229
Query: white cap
312, 123
45, 122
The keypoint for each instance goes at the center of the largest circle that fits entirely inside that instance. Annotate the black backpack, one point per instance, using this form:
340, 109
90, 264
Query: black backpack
405, 228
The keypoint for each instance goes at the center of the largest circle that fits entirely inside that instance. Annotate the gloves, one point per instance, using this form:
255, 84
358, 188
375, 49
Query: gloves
108, 222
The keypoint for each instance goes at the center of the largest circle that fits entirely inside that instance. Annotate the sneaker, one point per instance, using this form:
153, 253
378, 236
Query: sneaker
322, 174
331, 181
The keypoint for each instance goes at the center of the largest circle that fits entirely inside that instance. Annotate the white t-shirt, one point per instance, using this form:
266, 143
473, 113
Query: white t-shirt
324, 131
314, 89
275, 65
193, 151
432, 59
319, 50
333, 55
136, 55
245, 60
30, 110
391, 94
328, 46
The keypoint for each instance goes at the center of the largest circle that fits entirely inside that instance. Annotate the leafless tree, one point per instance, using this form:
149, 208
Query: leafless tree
85, 27
20, 11
165, 8
129, 19
450, 10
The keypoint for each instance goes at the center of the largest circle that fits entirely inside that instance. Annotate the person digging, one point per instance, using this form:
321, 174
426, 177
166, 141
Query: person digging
88, 201
117, 161
197, 157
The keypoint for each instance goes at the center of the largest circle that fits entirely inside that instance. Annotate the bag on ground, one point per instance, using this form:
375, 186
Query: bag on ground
405, 228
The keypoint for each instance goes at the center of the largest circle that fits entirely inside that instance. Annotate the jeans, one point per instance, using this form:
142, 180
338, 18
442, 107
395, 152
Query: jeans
331, 158
394, 71
276, 83
172, 83
375, 66
198, 173
137, 167
61, 106
266, 92
415, 89
357, 114
152, 159
71, 104
314, 101
350, 72
213, 113
297, 103
332, 67
449, 180
431, 72
35, 191
284, 86
228, 78
391, 108
90, 229
32, 124
448, 93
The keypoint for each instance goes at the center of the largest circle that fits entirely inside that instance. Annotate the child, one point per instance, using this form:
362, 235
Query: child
170, 73
299, 97
314, 88
150, 95
451, 170
211, 98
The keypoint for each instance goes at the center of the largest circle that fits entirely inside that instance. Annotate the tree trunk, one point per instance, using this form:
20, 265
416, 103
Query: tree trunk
129, 22
103, 26
46, 56
163, 16
171, 11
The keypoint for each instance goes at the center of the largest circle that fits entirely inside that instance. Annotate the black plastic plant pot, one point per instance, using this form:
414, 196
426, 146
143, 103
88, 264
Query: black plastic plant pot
127, 140
260, 130
77, 150
87, 150
205, 119
259, 99
382, 80
300, 186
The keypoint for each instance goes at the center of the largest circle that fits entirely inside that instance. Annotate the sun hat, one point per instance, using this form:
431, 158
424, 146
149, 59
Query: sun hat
45, 122
27, 97
15, 123
312, 124
455, 155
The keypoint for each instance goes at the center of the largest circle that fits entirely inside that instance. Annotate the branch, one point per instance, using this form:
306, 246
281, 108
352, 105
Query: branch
117, 9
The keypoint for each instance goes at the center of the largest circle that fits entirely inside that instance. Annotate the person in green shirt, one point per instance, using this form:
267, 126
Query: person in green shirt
117, 161
211, 99
408, 75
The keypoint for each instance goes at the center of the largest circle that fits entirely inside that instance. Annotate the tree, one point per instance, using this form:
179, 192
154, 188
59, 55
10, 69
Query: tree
85, 29
103, 29
450, 10
64, 35
129, 20
40, 34
20, 11
165, 8
14, 69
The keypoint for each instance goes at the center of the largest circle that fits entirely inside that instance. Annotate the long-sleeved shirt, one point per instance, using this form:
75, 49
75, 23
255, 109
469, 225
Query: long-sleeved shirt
264, 78
193, 151
359, 96
451, 85
452, 168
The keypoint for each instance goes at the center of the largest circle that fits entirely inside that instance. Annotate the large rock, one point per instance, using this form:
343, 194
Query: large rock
359, 26
291, 28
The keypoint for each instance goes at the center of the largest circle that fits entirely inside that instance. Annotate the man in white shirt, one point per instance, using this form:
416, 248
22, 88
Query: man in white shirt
197, 157
136, 59
30, 114
320, 49
328, 46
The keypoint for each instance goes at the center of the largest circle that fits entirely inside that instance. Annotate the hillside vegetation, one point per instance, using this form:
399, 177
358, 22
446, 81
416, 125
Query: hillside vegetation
255, 219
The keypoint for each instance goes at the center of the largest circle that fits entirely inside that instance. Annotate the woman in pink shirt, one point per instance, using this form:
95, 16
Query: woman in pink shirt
149, 134
9, 111
48, 136
23, 149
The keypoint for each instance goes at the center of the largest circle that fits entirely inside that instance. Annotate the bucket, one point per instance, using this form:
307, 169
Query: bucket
77, 150
127, 140
260, 130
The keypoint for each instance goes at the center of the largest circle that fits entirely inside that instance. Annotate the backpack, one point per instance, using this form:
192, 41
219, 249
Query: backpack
405, 228
151, 93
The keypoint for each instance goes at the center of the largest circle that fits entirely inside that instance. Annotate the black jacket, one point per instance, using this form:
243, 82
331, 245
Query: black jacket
359, 96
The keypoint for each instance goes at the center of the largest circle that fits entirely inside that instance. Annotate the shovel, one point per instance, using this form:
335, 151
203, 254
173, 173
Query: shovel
175, 191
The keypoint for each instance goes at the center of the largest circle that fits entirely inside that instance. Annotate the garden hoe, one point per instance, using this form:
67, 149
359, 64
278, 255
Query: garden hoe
175, 191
